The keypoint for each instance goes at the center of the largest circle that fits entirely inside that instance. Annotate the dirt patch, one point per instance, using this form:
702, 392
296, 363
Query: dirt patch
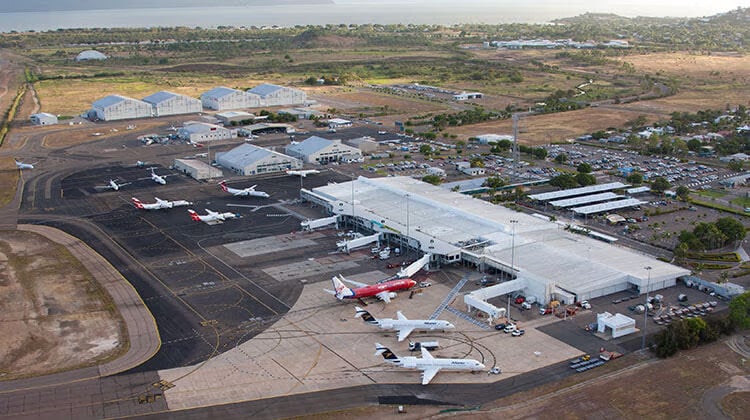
736, 405
53, 315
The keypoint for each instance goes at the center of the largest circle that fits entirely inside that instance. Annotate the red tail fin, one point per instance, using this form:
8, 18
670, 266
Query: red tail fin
194, 215
137, 203
223, 186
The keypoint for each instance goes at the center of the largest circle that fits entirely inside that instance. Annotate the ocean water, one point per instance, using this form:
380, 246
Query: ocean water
321, 12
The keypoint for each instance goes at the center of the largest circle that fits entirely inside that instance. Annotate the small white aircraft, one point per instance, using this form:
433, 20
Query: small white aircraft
21, 165
212, 217
159, 204
159, 179
303, 173
428, 364
113, 185
246, 192
403, 325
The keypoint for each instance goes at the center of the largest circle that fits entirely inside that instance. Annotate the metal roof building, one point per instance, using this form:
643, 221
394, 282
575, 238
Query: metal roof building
319, 150
586, 199
199, 132
169, 103
554, 195
550, 260
222, 98
248, 159
116, 107
612, 205
275, 95
90, 55
43, 118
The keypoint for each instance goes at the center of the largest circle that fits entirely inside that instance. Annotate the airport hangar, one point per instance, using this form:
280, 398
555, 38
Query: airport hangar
544, 259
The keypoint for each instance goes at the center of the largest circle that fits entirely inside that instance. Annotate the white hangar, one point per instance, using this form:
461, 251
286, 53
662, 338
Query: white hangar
169, 103
116, 107
199, 132
319, 150
222, 98
275, 95
545, 259
248, 159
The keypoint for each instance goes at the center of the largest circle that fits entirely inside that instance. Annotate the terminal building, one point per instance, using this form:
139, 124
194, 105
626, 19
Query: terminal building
248, 159
544, 259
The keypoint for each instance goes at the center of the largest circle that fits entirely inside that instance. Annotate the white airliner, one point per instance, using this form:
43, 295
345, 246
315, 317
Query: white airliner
403, 325
113, 185
159, 179
21, 165
159, 204
212, 217
246, 192
429, 365
303, 173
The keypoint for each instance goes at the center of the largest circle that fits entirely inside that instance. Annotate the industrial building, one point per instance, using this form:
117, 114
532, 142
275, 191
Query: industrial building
117, 107
169, 103
275, 95
90, 55
364, 144
319, 150
248, 159
544, 259
43, 118
301, 113
199, 132
222, 98
229, 117
197, 169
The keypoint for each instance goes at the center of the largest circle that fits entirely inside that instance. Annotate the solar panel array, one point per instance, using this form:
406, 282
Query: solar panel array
578, 191
586, 199
612, 205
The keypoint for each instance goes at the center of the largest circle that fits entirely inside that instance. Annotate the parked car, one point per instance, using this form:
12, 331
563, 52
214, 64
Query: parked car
526, 305
520, 300
517, 333
509, 328
500, 327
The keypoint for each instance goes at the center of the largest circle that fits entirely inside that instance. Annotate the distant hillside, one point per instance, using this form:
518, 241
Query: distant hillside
70, 5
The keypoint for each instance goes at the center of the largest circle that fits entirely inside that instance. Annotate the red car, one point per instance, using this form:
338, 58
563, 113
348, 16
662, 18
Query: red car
520, 300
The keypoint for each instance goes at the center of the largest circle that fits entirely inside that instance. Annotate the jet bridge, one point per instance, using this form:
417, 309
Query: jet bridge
412, 268
308, 225
349, 245
478, 298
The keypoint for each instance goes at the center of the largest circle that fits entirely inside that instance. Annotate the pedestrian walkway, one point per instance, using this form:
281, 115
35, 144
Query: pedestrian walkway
461, 283
464, 315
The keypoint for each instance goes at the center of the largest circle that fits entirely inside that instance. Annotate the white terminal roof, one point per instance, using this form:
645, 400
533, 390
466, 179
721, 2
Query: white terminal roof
554, 195
612, 205
593, 198
445, 221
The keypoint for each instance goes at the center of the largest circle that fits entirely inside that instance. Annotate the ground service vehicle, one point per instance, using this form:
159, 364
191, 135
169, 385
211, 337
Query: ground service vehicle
418, 345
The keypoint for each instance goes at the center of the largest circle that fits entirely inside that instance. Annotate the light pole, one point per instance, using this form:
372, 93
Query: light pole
645, 313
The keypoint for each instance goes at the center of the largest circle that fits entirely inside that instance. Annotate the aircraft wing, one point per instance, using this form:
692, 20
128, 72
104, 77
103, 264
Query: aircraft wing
384, 296
401, 316
356, 283
404, 332
428, 374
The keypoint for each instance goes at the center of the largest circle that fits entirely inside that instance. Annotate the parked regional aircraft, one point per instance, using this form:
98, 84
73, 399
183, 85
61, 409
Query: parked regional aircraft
212, 217
303, 173
21, 165
112, 185
384, 291
403, 325
159, 204
159, 179
250, 191
428, 364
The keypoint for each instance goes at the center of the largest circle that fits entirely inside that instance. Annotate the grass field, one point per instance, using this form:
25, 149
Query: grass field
8, 180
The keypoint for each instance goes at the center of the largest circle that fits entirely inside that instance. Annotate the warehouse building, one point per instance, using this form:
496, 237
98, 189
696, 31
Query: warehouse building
544, 259
229, 117
43, 118
365, 144
301, 113
275, 95
169, 103
199, 132
319, 150
197, 169
90, 55
117, 107
223, 98
248, 159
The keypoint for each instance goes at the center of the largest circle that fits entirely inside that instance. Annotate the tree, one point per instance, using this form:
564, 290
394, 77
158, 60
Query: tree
585, 179
736, 165
732, 228
561, 158
683, 192
477, 162
739, 310
425, 149
709, 235
635, 178
564, 181
494, 182
432, 179
660, 184
584, 168
539, 153
694, 145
